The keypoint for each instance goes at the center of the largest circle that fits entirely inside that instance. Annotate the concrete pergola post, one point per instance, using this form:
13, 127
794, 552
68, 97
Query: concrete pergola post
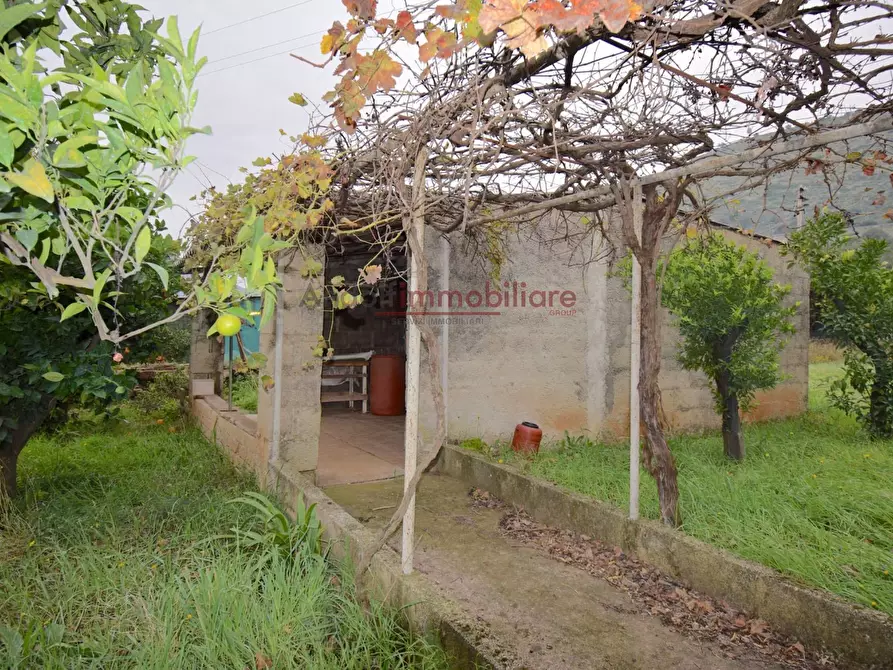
205, 353
297, 379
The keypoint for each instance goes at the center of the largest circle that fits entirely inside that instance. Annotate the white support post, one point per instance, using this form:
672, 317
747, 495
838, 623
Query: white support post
635, 353
411, 436
415, 227
445, 332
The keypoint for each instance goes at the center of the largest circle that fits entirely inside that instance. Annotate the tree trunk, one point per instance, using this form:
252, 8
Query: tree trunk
8, 461
880, 410
732, 439
10, 450
658, 459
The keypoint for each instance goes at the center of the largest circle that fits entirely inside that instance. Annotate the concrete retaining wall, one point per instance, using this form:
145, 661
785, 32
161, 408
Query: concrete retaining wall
426, 610
815, 618
235, 432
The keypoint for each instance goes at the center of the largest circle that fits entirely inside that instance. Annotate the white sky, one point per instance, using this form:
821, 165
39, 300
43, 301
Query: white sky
247, 104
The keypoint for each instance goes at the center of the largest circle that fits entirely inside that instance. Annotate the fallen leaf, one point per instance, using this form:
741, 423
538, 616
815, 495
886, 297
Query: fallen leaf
262, 662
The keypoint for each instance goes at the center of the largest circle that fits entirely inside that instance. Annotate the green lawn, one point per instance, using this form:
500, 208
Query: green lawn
814, 498
112, 559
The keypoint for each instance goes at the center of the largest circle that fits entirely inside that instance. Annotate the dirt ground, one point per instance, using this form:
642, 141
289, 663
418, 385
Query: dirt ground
540, 613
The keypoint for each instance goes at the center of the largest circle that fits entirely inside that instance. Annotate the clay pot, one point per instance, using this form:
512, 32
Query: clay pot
527, 438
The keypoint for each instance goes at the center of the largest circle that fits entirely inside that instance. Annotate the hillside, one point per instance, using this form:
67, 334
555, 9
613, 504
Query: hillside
770, 210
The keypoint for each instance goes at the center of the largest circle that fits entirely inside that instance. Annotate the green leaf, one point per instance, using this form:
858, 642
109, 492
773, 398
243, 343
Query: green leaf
33, 179
298, 99
99, 285
143, 244
54, 377
68, 155
80, 202
212, 330
73, 309
7, 149
28, 237
162, 274
13, 16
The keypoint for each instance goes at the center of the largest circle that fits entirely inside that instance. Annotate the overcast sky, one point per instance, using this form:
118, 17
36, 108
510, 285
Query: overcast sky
244, 96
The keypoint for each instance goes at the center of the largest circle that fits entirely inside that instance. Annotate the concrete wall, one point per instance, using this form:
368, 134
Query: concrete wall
235, 432
301, 306
569, 370
508, 364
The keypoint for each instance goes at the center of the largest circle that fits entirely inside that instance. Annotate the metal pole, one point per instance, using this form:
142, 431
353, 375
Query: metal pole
231, 374
635, 353
277, 379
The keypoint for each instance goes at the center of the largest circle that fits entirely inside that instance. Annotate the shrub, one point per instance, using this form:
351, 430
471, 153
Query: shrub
165, 398
732, 319
854, 297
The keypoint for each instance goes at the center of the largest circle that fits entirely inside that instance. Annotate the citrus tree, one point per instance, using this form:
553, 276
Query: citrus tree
733, 322
49, 366
853, 285
93, 130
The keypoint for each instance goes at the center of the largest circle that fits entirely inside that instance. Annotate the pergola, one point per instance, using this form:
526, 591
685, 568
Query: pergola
617, 131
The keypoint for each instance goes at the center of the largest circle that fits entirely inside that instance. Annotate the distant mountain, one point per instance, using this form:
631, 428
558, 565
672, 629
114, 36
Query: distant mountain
770, 210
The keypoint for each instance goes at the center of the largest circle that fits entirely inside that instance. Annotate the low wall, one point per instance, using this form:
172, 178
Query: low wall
234, 431
426, 611
815, 618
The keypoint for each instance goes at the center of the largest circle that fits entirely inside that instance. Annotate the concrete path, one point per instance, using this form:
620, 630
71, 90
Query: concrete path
541, 613
355, 447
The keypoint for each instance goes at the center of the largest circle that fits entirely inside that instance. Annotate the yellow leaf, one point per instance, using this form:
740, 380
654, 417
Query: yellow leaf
33, 179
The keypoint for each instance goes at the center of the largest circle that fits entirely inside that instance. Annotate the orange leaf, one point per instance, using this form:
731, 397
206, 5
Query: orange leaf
262, 662
383, 25
405, 28
440, 43
377, 72
518, 20
362, 9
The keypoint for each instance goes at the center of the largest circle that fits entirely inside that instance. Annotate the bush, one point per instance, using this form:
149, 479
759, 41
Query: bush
733, 323
165, 398
169, 343
854, 296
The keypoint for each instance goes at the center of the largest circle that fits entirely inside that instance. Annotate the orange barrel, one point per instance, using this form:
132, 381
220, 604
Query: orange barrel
527, 438
387, 385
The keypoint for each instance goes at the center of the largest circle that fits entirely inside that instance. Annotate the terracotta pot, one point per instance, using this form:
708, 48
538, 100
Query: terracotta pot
527, 438
387, 385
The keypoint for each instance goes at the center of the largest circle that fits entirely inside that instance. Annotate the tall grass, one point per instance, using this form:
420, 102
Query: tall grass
813, 499
121, 554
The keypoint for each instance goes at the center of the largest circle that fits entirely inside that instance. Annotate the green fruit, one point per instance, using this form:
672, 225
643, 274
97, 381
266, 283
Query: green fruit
228, 325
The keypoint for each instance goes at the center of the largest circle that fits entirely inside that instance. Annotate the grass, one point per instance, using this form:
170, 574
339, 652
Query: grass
113, 558
813, 499
245, 390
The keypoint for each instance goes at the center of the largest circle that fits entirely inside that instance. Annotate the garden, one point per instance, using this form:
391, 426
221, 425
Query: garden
811, 500
136, 544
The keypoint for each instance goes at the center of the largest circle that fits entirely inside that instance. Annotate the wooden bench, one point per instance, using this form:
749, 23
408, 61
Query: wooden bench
347, 371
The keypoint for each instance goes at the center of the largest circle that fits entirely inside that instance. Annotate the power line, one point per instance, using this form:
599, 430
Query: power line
257, 60
266, 46
260, 16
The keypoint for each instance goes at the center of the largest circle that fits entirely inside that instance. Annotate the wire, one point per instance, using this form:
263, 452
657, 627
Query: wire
260, 16
257, 60
267, 46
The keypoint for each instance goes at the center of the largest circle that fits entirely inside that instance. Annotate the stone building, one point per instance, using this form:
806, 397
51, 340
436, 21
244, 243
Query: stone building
546, 340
